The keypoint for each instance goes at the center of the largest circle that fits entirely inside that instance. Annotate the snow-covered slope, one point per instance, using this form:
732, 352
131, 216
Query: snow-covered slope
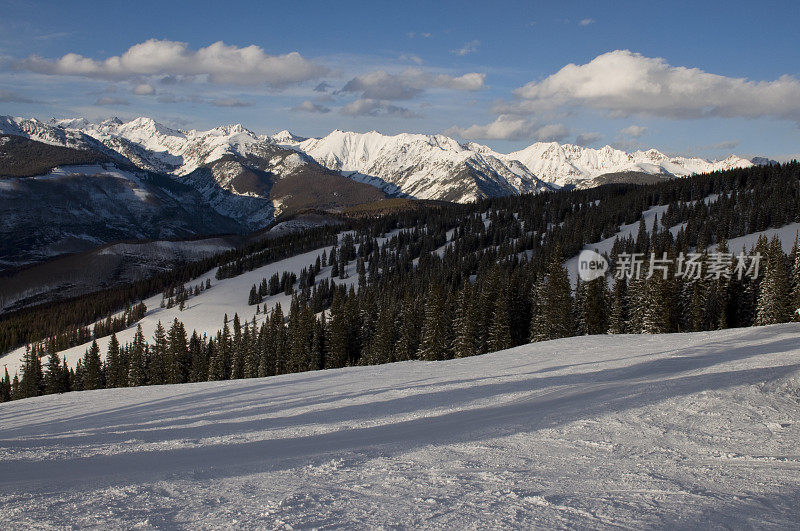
591, 432
421, 166
565, 164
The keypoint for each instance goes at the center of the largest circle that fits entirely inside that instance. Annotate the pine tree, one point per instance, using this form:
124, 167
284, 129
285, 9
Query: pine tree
159, 364
553, 317
114, 369
5, 387
436, 343
199, 362
464, 324
382, 349
251, 351
31, 383
279, 340
319, 347
500, 330
336, 341
92, 368
54, 375
254, 297
774, 298
177, 354
595, 306
796, 280
137, 369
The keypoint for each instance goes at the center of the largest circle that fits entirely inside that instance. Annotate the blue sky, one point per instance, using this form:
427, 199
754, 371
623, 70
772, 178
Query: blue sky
709, 79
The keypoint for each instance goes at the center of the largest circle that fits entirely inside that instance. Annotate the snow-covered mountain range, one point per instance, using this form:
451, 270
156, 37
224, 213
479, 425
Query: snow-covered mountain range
565, 164
416, 165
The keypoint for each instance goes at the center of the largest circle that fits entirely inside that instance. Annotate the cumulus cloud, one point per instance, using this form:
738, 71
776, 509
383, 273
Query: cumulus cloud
230, 102
7, 96
372, 107
218, 62
626, 83
144, 89
410, 57
109, 101
586, 21
468, 48
309, 106
381, 85
587, 139
507, 127
633, 131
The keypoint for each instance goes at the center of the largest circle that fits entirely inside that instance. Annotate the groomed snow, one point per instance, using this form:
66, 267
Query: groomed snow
681, 431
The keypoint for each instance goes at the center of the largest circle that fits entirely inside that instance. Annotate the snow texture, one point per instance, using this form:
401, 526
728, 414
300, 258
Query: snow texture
694, 430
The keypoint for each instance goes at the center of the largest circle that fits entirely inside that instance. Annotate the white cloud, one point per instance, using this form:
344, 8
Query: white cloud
410, 57
218, 62
144, 89
586, 21
626, 83
468, 48
507, 127
410, 83
633, 131
230, 102
309, 106
371, 107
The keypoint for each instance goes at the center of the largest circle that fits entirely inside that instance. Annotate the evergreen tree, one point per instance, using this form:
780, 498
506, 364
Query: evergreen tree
436, 343
254, 297
54, 375
199, 362
336, 342
500, 331
92, 368
595, 306
31, 383
464, 324
5, 387
618, 317
796, 280
251, 351
115, 372
553, 317
774, 299
319, 347
158, 367
279, 340
137, 369
382, 349
177, 354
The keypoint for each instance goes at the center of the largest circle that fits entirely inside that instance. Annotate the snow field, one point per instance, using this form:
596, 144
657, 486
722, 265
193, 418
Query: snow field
682, 430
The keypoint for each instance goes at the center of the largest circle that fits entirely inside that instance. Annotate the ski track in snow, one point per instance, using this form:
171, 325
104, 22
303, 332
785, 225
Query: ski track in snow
685, 430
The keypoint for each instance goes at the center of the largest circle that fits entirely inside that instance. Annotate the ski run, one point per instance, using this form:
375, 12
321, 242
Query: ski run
683, 431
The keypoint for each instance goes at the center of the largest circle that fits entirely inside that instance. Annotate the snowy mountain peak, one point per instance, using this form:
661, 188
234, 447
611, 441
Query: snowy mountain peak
287, 137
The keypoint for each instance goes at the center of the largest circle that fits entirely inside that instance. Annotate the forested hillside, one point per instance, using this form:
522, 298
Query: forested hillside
451, 281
